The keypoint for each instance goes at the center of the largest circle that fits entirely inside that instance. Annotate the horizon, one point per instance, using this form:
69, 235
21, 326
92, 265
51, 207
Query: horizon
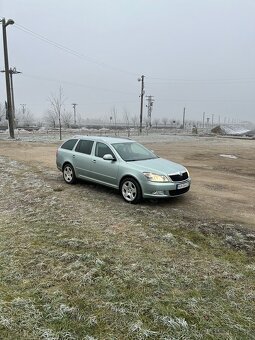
199, 56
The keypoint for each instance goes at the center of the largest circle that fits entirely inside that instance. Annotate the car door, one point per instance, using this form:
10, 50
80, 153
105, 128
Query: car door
82, 158
104, 171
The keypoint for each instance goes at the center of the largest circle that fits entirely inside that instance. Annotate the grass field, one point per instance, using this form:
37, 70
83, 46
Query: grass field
77, 262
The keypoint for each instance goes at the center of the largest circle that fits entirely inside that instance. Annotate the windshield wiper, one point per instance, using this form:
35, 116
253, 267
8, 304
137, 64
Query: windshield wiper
145, 159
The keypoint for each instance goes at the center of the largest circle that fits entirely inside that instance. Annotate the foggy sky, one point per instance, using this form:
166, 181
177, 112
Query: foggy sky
198, 54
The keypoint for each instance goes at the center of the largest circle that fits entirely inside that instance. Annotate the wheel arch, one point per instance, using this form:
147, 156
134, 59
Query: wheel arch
65, 163
130, 176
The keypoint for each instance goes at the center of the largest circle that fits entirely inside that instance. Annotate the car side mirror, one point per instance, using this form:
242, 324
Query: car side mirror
109, 157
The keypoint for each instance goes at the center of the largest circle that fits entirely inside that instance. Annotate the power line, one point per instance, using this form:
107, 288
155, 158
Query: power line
226, 80
55, 44
133, 93
205, 100
37, 77
105, 65
71, 51
77, 84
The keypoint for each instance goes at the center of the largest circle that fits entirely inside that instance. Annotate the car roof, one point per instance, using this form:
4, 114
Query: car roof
106, 139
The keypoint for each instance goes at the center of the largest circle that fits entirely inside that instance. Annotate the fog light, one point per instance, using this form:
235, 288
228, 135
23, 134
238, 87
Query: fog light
160, 192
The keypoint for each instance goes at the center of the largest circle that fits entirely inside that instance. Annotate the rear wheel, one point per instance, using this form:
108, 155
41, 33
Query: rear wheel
68, 174
130, 190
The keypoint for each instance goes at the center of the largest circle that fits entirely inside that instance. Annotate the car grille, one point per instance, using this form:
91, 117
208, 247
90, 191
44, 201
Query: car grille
178, 191
179, 177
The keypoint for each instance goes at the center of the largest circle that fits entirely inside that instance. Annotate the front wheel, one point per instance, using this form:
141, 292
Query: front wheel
68, 174
130, 190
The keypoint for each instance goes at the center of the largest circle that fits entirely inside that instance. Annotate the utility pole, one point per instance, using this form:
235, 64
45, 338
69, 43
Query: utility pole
7, 77
183, 118
11, 72
141, 107
203, 120
74, 112
149, 106
212, 119
23, 108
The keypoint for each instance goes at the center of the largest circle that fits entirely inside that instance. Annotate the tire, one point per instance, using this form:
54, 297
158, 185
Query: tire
69, 174
131, 190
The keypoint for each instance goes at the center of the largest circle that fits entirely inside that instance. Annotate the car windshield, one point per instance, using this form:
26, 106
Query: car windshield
133, 151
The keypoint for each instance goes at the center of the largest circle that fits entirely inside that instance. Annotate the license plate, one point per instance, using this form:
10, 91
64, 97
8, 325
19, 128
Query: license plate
183, 185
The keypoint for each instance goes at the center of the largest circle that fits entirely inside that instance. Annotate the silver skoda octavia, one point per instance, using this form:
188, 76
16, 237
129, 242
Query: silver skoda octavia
122, 164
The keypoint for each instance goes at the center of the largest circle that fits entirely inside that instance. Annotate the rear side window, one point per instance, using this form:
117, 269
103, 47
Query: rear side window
84, 146
68, 145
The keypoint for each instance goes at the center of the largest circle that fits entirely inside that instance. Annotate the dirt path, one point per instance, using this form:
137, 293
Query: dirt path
223, 188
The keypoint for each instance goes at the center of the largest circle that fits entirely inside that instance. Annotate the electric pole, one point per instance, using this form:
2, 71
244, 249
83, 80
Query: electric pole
11, 72
23, 108
74, 112
7, 77
141, 107
203, 120
149, 106
183, 118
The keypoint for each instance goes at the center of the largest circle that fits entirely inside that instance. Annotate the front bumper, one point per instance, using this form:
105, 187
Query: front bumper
169, 189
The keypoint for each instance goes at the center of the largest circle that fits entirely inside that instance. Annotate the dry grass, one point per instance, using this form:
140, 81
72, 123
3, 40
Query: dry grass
76, 262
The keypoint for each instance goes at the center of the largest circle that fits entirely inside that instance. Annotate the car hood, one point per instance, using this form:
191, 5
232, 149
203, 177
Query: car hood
157, 165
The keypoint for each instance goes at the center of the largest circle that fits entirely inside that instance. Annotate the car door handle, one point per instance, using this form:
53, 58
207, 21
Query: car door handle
94, 161
73, 156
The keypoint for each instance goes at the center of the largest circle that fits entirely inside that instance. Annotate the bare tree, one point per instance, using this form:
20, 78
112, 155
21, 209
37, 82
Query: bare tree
57, 106
156, 122
67, 118
164, 121
39, 123
134, 120
79, 119
24, 117
28, 118
127, 121
178, 123
51, 118
114, 115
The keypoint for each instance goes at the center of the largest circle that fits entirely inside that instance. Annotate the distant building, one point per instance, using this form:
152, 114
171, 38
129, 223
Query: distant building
232, 130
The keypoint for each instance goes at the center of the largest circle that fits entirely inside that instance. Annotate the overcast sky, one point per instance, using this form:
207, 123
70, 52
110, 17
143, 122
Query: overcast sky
198, 54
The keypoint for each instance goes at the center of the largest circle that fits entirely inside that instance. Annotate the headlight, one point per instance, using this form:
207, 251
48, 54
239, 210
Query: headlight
155, 178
